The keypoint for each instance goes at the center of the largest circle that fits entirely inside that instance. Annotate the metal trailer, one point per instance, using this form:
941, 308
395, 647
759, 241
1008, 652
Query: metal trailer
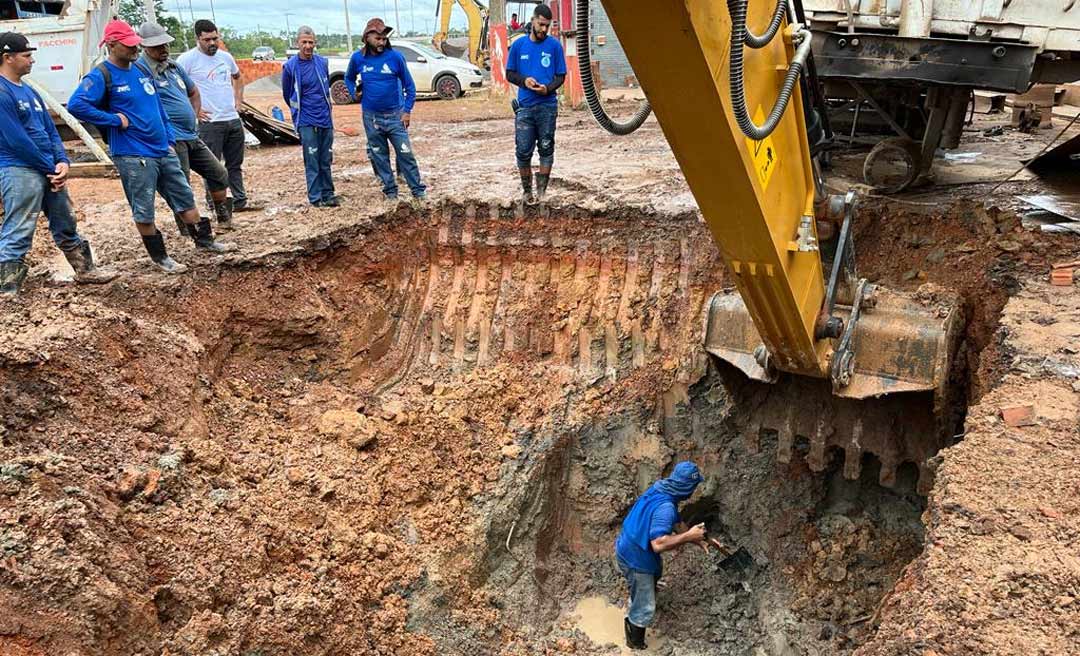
66, 34
915, 63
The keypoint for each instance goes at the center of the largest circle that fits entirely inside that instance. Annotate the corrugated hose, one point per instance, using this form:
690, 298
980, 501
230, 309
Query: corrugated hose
592, 97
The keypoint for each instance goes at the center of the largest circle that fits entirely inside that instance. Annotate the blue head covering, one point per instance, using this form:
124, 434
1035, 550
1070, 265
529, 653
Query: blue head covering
683, 480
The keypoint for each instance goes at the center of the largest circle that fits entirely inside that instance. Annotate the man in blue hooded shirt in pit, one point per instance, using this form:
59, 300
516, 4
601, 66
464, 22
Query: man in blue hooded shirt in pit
648, 531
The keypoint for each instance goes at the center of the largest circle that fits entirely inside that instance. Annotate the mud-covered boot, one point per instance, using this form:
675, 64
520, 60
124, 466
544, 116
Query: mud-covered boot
155, 247
223, 210
181, 227
204, 238
81, 260
12, 275
527, 189
635, 635
541, 186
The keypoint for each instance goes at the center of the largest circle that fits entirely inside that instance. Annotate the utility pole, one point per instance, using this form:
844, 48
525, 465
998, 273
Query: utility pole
412, 13
348, 29
288, 30
213, 14
148, 8
397, 16
180, 16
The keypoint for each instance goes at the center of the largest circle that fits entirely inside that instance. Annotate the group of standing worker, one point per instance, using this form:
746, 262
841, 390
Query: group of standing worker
164, 118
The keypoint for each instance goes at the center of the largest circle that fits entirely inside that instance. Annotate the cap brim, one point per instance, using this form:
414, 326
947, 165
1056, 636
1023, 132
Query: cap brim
152, 41
130, 41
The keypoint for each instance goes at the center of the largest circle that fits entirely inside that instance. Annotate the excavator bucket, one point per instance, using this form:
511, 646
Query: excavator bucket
900, 344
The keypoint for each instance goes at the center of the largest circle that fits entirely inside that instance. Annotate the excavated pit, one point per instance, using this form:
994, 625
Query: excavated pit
420, 436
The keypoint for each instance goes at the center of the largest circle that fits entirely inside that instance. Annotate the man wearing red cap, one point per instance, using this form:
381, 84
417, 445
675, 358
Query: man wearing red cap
33, 174
120, 97
387, 103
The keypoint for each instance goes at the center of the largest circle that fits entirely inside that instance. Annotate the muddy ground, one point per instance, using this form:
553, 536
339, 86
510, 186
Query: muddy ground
387, 431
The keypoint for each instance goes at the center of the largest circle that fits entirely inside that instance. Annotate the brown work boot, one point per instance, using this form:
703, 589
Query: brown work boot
81, 260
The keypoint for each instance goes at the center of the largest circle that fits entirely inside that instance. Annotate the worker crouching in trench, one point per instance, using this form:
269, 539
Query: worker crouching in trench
648, 531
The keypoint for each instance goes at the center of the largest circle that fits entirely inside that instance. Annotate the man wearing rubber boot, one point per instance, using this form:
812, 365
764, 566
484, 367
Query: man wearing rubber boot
386, 106
183, 105
537, 66
120, 96
33, 175
648, 531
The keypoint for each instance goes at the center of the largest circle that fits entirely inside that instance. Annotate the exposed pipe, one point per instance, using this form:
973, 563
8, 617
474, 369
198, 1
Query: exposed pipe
592, 97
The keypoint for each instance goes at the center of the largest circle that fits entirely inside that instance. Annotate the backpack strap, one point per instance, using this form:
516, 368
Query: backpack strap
107, 74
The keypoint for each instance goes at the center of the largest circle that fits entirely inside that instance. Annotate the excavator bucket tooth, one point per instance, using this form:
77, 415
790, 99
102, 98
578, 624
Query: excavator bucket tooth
900, 344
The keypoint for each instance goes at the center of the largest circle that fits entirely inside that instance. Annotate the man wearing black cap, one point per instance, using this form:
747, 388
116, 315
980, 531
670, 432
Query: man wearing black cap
33, 175
182, 102
386, 103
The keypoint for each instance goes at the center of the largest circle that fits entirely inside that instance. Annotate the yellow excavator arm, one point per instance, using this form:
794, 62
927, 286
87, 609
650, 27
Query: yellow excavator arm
476, 14
723, 79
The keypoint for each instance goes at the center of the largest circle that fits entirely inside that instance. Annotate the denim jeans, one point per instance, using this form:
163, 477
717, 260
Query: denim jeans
318, 145
385, 130
534, 129
642, 595
141, 177
226, 140
26, 194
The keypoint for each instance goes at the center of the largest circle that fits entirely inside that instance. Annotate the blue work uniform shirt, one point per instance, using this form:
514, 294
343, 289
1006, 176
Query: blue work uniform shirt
305, 85
540, 60
388, 85
28, 137
658, 516
174, 86
133, 93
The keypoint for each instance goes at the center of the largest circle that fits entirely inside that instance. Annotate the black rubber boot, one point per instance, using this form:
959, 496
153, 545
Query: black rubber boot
204, 239
155, 246
12, 275
527, 188
223, 210
541, 186
181, 227
81, 260
635, 635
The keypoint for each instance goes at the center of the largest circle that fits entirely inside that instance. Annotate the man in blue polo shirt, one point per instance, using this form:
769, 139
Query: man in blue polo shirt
305, 86
387, 103
33, 175
119, 96
183, 104
648, 531
537, 65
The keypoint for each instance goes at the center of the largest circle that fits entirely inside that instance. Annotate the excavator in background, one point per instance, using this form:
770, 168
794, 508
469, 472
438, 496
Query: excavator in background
744, 118
477, 15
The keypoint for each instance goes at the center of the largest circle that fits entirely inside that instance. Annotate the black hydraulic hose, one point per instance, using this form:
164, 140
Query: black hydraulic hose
592, 97
737, 10
755, 41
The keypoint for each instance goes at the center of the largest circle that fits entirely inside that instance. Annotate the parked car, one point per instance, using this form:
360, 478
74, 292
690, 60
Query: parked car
433, 72
263, 53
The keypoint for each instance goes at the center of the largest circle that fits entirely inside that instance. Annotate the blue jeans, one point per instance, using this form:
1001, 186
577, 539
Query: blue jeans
385, 130
642, 594
318, 145
26, 194
534, 129
143, 176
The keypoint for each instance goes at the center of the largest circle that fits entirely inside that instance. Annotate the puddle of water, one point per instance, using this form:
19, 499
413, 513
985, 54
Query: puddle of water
602, 622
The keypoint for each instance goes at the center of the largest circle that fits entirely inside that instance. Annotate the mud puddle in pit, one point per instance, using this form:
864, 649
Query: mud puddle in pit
421, 437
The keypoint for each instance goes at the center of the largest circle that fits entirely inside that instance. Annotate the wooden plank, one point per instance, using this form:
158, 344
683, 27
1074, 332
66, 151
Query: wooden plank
92, 170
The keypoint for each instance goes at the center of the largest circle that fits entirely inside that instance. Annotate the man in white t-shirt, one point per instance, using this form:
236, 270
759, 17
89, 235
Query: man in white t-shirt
217, 76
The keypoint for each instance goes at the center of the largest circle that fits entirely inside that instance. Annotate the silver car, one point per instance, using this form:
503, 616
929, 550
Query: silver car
263, 53
432, 72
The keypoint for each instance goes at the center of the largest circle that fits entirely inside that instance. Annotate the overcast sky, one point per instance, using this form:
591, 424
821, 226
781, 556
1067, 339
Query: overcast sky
322, 15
